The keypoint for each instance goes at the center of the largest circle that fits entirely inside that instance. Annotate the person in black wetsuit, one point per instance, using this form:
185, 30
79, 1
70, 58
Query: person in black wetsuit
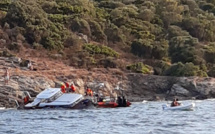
124, 101
119, 101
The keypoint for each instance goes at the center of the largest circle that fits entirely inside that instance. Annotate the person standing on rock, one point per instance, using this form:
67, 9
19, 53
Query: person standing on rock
89, 92
72, 88
7, 76
63, 88
30, 66
67, 86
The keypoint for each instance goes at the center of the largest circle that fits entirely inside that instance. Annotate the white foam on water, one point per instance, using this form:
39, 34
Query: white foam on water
144, 101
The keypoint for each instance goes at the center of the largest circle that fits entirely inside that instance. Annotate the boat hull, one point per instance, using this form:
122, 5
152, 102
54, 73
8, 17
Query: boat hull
111, 104
57, 99
83, 104
107, 104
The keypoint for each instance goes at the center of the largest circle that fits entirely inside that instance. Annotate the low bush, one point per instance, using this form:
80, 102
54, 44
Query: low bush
100, 49
188, 69
139, 68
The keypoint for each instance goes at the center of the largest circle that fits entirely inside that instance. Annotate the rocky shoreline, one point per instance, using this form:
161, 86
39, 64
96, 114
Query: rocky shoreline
137, 87
167, 88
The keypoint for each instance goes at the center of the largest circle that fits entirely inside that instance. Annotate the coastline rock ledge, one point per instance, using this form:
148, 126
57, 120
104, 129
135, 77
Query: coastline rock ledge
137, 87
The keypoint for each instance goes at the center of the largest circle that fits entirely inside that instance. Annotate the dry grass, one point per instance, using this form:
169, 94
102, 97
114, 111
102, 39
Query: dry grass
56, 68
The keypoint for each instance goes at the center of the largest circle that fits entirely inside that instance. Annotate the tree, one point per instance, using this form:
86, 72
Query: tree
209, 53
142, 48
183, 49
160, 49
188, 69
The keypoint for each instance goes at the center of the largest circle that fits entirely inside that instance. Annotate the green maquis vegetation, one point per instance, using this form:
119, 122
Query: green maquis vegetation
161, 37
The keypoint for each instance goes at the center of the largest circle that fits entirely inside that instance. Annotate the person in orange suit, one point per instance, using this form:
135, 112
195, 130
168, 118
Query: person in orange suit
26, 99
63, 88
89, 92
67, 87
72, 87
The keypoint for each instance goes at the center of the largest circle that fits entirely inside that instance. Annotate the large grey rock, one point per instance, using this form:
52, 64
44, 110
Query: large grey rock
179, 90
18, 84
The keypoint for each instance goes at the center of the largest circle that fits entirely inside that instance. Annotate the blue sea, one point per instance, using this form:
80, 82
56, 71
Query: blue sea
139, 118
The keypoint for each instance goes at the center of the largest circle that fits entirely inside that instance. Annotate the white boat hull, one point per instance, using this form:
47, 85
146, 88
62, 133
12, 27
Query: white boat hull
181, 107
53, 97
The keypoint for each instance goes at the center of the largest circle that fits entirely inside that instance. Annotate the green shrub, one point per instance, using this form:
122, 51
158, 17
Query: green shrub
211, 72
97, 32
142, 48
160, 49
58, 18
108, 62
14, 46
51, 43
188, 69
6, 53
81, 26
4, 4
183, 49
209, 53
114, 34
110, 4
139, 68
100, 49
37, 27
176, 31
160, 67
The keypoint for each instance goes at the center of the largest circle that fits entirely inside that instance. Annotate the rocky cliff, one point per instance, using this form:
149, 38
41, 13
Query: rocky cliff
137, 87
151, 87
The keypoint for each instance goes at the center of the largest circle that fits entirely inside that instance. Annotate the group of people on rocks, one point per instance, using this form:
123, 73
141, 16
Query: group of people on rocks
66, 88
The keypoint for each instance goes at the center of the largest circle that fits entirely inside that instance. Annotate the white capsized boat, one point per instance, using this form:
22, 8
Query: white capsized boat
53, 97
189, 106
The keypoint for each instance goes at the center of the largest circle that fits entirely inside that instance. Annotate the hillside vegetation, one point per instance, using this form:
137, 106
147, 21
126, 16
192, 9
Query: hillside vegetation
163, 37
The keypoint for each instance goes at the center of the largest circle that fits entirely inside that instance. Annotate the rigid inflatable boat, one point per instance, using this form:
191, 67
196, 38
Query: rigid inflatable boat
112, 103
189, 106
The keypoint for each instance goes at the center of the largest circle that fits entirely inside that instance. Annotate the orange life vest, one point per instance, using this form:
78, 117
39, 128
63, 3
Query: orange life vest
72, 88
26, 99
63, 88
89, 92
67, 84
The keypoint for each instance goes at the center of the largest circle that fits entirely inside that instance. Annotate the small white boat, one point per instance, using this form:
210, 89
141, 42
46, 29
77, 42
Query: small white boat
189, 106
53, 97
2, 108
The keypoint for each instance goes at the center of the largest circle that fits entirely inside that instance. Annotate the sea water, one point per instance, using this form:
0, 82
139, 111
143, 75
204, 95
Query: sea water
139, 118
